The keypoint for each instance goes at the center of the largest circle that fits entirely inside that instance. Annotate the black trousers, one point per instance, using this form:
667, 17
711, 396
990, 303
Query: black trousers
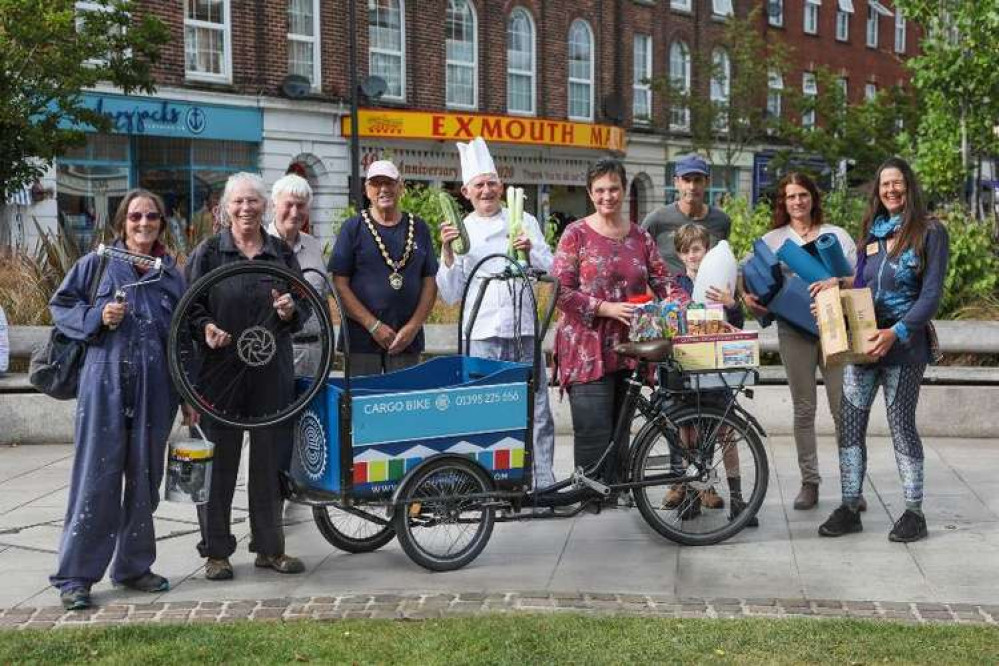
270, 451
595, 407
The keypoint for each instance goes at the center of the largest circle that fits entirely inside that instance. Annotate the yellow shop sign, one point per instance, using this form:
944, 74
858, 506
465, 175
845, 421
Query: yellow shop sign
447, 126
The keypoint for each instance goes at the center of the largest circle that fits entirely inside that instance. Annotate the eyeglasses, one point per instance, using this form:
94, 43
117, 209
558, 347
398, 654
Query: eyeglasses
151, 216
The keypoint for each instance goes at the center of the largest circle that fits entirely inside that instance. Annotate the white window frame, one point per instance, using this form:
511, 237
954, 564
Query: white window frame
721, 86
844, 12
900, 32
316, 41
681, 5
531, 74
589, 82
809, 88
474, 65
875, 10
401, 53
680, 115
82, 8
870, 91
811, 17
775, 12
722, 8
775, 94
642, 78
226, 29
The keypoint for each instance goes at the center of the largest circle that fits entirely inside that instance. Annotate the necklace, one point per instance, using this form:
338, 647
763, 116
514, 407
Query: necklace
812, 230
395, 277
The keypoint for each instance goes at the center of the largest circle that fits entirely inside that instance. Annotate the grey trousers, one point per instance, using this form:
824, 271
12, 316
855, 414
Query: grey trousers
801, 354
507, 349
379, 364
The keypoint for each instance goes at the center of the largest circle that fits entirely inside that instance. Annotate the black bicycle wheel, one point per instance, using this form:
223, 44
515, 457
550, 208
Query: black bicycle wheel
732, 475
439, 526
251, 382
354, 529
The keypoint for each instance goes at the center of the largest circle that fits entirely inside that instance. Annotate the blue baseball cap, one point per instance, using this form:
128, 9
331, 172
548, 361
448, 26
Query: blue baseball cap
689, 164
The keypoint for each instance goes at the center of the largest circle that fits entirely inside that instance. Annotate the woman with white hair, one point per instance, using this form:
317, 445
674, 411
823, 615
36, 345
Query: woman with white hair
291, 197
233, 305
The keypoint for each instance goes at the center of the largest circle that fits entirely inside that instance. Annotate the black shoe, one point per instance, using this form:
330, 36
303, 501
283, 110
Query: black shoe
77, 598
842, 521
147, 582
737, 505
910, 527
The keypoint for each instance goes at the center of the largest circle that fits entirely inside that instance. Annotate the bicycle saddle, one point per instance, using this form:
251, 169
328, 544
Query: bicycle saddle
649, 350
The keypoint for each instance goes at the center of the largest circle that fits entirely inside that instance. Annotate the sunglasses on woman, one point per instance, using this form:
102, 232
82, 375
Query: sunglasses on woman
151, 216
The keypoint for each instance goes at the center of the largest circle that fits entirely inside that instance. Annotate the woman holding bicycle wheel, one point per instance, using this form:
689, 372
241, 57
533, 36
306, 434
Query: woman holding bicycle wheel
236, 376
601, 261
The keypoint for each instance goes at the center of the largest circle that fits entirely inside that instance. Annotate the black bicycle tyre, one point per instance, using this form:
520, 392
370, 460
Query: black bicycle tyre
339, 538
180, 378
648, 437
405, 524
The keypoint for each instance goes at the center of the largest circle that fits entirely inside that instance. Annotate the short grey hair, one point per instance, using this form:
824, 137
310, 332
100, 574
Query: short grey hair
236, 179
292, 185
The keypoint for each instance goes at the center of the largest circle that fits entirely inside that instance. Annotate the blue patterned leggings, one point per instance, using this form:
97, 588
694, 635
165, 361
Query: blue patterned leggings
901, 388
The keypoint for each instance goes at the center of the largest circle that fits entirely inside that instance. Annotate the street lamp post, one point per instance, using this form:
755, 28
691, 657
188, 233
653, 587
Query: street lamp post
355, 141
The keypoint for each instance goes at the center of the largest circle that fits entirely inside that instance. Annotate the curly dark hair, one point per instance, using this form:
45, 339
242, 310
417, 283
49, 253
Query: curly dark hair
781, 217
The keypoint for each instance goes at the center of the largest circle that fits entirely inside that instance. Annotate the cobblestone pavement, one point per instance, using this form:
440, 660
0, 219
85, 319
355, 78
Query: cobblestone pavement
431, 606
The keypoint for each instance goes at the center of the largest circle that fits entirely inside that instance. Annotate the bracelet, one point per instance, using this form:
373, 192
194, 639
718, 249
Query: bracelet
374, 327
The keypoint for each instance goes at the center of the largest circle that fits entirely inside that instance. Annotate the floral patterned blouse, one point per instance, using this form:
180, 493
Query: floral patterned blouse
592, 268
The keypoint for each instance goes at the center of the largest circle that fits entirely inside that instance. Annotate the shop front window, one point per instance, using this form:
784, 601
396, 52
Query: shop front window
188, 174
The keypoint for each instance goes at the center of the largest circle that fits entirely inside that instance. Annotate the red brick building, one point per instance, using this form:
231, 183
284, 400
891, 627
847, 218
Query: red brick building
555, 84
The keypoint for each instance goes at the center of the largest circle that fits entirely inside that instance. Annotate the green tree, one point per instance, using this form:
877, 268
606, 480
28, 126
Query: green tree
957, 75
864, 134
728, 105
49, 53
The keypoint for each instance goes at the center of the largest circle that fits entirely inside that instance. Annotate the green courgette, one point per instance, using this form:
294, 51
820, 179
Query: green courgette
455, 216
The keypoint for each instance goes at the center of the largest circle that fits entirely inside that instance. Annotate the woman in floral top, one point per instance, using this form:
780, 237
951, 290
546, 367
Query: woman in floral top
601, 260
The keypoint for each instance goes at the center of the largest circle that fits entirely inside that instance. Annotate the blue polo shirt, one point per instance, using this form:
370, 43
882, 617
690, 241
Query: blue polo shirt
356, 256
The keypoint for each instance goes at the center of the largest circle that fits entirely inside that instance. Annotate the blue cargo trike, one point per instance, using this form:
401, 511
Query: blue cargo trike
438, 453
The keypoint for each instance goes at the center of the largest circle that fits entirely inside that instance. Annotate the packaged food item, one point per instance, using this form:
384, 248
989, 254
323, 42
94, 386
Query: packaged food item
714, 316
697, 319
646, 321
672, 318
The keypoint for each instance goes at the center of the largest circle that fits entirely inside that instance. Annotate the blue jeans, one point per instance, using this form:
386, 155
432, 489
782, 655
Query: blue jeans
508, 349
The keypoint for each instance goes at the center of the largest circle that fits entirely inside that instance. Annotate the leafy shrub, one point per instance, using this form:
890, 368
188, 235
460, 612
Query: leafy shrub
748, 224
973, 273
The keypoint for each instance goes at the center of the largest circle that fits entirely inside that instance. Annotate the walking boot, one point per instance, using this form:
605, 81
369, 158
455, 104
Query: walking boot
807, 497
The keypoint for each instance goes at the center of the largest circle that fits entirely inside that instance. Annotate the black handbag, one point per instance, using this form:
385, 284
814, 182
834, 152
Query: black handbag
55, 367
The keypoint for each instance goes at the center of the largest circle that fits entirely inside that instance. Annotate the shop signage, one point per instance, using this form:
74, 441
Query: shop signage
443, 165
449, 126
166, 117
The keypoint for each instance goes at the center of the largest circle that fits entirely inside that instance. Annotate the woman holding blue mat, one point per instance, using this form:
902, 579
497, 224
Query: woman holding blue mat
798, 219
904, 261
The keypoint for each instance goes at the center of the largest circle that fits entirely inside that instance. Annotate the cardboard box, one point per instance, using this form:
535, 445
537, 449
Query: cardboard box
846, 321
720, 351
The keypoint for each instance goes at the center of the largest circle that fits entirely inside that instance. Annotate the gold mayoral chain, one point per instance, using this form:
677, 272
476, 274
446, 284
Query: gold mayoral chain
395, 277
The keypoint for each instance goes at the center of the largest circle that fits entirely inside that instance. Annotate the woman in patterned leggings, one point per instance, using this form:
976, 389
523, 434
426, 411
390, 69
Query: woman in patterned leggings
903, 259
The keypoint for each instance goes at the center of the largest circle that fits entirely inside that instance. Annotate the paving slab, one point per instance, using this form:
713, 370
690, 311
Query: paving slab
610, 554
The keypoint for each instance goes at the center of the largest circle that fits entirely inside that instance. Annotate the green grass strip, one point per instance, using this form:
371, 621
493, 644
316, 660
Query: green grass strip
515, 640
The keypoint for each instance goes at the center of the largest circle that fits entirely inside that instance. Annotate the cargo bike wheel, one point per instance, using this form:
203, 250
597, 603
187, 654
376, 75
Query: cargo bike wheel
732, 463
259, 357
354, 529
443, 516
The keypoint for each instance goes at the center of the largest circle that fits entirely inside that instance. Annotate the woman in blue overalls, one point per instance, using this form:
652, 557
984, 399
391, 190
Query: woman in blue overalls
125, 408
903, 257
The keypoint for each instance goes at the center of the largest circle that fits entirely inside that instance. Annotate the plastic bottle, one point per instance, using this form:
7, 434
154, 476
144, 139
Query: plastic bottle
718, 269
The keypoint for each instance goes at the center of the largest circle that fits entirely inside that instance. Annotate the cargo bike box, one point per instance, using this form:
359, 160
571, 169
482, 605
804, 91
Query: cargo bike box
360, 442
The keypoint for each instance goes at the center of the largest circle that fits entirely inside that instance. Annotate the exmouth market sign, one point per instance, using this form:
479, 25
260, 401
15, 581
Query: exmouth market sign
391, 124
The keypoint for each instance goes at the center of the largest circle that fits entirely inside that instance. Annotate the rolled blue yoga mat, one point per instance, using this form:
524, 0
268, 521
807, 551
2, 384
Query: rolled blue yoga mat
793, 304
805, 266
831, 254
759, 281
767, 258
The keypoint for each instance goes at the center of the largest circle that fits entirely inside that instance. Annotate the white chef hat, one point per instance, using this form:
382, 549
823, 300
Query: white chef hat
475, 159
